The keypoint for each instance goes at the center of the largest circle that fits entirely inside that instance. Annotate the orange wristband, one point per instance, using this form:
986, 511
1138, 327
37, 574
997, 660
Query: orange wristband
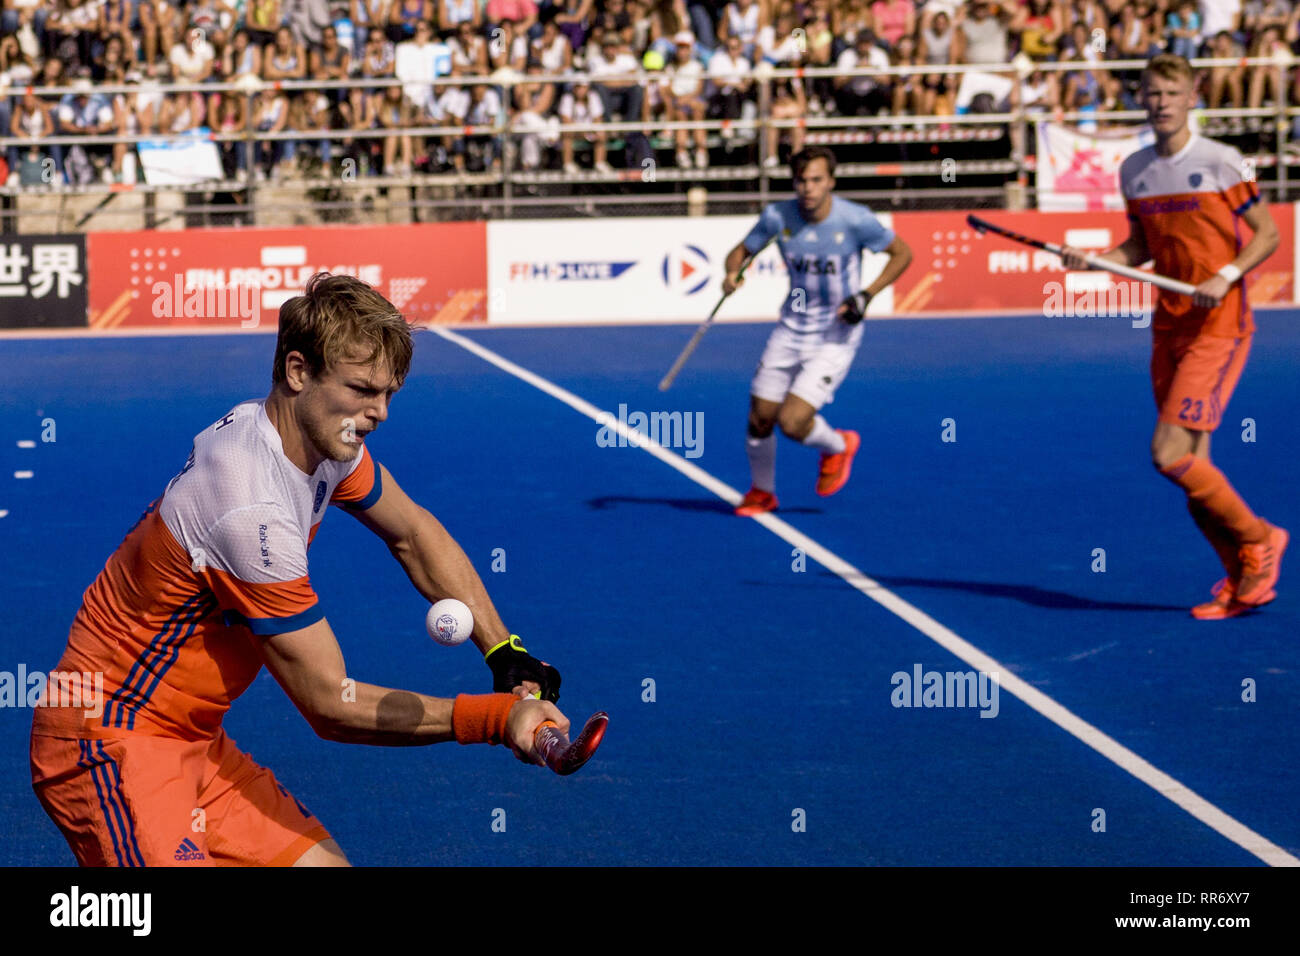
481, 718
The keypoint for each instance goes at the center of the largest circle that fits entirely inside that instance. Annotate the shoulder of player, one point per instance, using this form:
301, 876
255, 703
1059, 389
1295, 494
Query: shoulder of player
1206, 145
223, 499
1135, 164
1214, 151
840, 204
238, 442
242, 415
1137, 161
237, 468
782, 211
853, 212
231, 536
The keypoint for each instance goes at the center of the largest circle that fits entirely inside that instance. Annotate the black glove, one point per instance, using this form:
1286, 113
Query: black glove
511, 665
854, 307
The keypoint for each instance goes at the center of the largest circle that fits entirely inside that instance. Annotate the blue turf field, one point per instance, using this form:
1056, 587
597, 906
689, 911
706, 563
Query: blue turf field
773, 687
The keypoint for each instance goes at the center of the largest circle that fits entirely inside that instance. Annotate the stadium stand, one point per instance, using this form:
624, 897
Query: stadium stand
515, 104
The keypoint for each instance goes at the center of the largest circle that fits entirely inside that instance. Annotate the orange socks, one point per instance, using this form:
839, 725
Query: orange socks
1220, 538
1207, 487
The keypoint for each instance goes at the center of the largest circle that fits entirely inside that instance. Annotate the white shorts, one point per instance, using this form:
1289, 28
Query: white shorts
810, 365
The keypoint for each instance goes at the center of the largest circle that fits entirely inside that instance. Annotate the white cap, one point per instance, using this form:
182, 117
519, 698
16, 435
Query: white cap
684, 37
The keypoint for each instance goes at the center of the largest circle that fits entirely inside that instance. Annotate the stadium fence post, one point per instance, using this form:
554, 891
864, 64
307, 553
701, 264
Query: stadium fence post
764, 120
509, 146
1283, 128
250, 158
1019, 133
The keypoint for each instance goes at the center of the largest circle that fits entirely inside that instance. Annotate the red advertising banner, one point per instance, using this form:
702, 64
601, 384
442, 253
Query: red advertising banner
238, 278
956, 269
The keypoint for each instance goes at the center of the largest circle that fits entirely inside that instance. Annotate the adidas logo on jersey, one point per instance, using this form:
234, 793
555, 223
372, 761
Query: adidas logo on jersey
187, 851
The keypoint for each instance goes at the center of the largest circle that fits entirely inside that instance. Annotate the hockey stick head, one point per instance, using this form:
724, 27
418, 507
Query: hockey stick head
584, 745
555, 751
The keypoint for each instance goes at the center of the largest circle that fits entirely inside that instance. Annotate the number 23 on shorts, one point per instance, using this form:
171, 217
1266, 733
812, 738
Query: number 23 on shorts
1191, 409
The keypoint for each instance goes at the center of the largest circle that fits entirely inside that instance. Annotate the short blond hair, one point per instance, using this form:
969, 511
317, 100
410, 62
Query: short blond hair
335, 318
1168, 66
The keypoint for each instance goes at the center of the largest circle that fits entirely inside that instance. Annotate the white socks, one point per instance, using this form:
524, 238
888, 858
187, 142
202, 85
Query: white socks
824, 438
762, 461
762, 452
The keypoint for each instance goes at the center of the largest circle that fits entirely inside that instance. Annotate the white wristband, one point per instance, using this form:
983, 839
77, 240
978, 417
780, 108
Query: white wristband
1231, 273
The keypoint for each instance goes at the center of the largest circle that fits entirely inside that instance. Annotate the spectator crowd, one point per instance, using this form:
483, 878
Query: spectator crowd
647, 63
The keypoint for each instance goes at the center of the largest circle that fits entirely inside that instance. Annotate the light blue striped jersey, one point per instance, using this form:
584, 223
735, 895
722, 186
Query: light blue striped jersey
824, 258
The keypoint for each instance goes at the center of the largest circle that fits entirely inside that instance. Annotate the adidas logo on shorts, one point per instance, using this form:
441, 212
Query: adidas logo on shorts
188, 850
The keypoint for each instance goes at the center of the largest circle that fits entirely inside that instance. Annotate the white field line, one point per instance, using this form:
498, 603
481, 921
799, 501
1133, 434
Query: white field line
1108, 747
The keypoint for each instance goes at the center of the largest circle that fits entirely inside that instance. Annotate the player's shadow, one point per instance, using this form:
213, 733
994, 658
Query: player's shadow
683, 504
1024, 593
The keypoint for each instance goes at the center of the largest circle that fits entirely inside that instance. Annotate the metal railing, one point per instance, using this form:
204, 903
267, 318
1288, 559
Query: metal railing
506, 190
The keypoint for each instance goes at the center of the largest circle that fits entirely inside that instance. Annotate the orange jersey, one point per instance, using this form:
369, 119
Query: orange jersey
220, 558
1188, 207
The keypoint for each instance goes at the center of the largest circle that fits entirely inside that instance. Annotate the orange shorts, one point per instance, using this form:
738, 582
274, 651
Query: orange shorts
158, 801
1193, 376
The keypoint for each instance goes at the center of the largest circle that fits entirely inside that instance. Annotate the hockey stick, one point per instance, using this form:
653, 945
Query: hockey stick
1163, 282
668, 379
554, 750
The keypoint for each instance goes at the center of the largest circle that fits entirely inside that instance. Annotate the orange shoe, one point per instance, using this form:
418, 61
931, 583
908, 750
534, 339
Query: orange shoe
1260, 566
1225, 603
756, 502
835, 468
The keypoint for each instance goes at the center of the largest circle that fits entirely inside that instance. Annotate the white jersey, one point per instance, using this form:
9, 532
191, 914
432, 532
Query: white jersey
248, 514
222, 553
824, 258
